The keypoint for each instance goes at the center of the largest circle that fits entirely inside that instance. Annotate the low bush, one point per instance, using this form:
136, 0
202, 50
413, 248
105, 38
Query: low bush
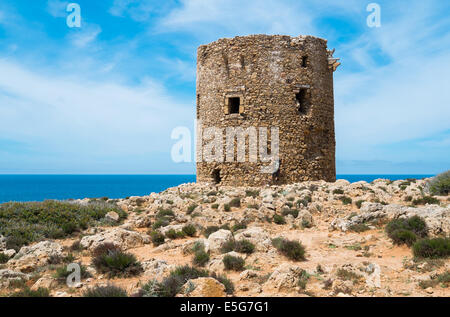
244, 246
239, 226
27, 292
252, 193
215, 206
406, 231
359, 203
279, 219
345, 200
221, 278
163, 222
293, 212
235, 202
191, 208
211, 229
23, 223
303, 280
440, 184
189, 230
338, 191
432, 248
442, 279
233, 263
114, 262
294, 250
173, 234
426, 200
165, 213
345, 275
105, 291
157, 238
62, 273
201, 257
360, 227
226, 207
3, 258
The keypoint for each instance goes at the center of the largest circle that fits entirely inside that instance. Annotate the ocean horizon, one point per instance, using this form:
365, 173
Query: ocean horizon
21, 187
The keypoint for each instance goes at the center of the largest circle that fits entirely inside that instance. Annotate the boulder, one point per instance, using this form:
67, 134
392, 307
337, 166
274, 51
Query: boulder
45, 282
217, 239
256, 235
284, 278
203, 287
123, 238
112, 216
40, 254
9, 276
155, 268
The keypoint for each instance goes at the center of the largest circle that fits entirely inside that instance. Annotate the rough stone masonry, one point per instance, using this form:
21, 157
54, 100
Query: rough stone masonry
269, 81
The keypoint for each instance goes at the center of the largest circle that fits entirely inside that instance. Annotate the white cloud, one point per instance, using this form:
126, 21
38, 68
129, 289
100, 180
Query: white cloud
57, 8
85, 35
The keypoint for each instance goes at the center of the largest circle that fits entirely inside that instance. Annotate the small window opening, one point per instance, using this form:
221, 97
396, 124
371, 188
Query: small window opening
233, 104
302, 102
304, 61
216, 176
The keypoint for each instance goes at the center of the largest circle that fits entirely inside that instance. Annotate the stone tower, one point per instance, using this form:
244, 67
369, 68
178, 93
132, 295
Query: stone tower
267, 88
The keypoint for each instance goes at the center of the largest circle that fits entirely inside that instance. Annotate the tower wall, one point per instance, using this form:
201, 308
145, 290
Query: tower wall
281, 81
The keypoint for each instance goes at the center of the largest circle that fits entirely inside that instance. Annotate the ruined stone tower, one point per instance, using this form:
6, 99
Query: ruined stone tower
279, 84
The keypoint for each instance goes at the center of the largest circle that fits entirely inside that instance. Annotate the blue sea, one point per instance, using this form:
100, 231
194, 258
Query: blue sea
42, 187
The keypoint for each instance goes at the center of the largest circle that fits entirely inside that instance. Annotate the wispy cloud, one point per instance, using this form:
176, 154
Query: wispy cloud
57, 8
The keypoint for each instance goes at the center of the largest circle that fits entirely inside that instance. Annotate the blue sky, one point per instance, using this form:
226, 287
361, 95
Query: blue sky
104, 98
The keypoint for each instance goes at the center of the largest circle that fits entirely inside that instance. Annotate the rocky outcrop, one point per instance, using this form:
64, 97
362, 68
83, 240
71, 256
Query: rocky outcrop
203, 287
285, 278
126, 239
9, 276
30, 257
217, 239
258, 236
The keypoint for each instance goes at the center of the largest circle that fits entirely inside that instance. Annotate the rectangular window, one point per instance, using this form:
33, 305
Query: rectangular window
304, 61
302, 101
233, 104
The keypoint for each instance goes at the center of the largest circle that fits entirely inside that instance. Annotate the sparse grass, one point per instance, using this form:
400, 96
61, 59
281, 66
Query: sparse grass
345, 275
62, 273
165, 213
440, 184
338, 191
406, 231
200, 258
160, 223
252, 193
239, 226
226, 207
27, 292
221, 278
294, 250
233, 263
211, 229
345, 200
441, 279
189, 230
110, 260
432, 248
23, 223
215, 206
303, 280
105, 291
3, 258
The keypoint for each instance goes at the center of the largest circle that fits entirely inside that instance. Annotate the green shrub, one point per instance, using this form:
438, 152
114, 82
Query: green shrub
191, 208
440, 184
105, 291
360, 227
211, 229
359, 203
215, 206
345, 275
201, 258
432, 248
226, 207
23, 223
114, 262
338, 191
426, 200
292, 249
228, 246
164, 222
62, 273
345, 200
235, 202
279, 219
443, 279
303, 280
189, 230
293, 212
172, 234
234, 263
239, 226
157, 238
229, 286
3, 258
244, 246
252, 193
398, 229
27, 292
165, 213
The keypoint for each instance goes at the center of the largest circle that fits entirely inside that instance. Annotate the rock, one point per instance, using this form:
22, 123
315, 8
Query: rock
8, 276
123, 238
165, 229
284, 278
40, 254
203, 287
258, 236
9, 253
373, 279
371, 207
61, 294
429, 290
304, 219
248, 275
45, 282
217, 239
340, 286
2, 243
112, 216
155, 268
